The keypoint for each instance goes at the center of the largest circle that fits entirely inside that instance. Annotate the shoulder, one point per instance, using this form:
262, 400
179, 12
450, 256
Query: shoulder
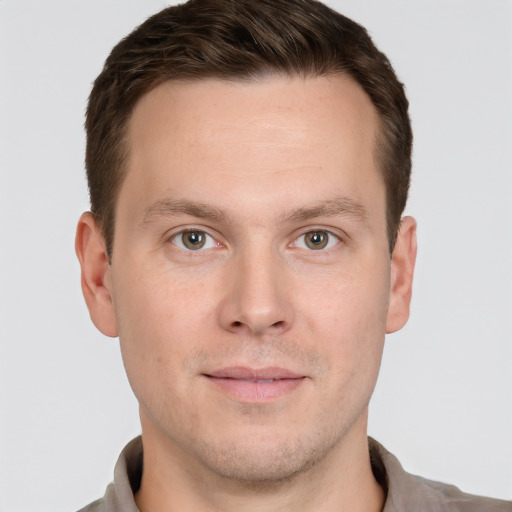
457, 501
411, 493
96, 506
109, 502
119, 496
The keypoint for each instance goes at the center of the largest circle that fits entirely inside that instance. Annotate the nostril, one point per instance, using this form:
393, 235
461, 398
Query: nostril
237, 324
278, 324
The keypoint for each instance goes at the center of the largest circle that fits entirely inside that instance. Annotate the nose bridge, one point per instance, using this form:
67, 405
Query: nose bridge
257, 299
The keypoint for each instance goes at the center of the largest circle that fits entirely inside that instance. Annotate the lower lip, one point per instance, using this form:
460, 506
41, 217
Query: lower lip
256, 391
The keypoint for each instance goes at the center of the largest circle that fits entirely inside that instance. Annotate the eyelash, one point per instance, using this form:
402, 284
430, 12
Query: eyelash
328, 242
178, 240
332, 240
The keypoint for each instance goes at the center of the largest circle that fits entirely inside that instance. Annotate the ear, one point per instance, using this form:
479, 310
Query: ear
402, 270
96, 279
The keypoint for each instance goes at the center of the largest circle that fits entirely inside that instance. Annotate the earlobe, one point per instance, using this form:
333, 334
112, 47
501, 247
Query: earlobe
402, 271
95, 274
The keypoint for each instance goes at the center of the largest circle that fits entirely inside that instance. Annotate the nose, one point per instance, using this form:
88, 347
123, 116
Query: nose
256, 300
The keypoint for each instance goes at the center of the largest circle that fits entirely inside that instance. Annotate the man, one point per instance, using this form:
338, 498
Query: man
248, 165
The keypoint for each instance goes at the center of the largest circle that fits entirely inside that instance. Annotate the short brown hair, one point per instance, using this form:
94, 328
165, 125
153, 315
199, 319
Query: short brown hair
240, 40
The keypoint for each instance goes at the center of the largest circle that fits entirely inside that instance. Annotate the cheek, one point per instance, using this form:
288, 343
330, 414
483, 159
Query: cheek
349, 319
349, 303
157, 302
151, 314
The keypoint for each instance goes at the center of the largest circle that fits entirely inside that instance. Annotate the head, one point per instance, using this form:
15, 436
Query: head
248, 165
241, 41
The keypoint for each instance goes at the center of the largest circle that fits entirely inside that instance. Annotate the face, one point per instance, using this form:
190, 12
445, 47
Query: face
251, 283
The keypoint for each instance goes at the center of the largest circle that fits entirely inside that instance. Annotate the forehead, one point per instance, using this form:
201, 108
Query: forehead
298, 113
279, 137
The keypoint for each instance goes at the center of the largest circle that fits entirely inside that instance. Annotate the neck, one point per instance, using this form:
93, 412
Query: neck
173, 481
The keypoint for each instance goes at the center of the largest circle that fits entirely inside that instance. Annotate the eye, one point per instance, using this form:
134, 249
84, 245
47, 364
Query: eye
316, 240
193, 240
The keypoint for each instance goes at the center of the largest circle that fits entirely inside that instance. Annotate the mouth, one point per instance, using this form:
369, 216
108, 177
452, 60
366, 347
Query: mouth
255, 385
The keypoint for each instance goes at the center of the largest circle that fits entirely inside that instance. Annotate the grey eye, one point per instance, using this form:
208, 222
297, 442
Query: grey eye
193, 240
316, 240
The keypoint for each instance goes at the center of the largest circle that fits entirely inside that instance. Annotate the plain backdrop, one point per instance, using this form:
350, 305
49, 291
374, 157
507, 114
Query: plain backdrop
443, 403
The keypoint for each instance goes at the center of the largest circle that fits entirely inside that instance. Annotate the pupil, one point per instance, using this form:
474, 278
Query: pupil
194, 238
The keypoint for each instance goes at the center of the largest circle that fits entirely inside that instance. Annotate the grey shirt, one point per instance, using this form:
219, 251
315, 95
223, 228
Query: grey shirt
405, 492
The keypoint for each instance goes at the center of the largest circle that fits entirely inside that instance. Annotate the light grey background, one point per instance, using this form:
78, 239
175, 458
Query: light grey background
443, 404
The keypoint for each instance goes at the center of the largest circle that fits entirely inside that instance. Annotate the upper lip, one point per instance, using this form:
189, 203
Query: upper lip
242, 373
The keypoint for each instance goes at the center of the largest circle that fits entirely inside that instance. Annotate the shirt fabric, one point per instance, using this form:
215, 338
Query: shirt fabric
405, 492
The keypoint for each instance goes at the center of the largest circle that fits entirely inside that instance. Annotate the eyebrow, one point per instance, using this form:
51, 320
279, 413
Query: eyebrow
338, 206
174, 207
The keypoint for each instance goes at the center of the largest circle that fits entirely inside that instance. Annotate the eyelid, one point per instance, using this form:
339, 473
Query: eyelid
331, 232
173, 234
177, 231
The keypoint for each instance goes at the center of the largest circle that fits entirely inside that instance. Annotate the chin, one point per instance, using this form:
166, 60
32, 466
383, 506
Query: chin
264, 463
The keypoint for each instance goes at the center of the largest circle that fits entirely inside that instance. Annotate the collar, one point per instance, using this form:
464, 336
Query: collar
405, 492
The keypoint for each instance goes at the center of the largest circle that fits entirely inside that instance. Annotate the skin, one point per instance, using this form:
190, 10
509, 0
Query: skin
257, 169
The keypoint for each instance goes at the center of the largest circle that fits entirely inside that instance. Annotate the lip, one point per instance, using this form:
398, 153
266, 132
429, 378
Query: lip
255, 385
